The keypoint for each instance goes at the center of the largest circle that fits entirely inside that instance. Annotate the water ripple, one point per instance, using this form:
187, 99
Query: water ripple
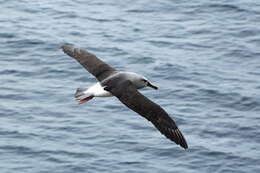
204, 57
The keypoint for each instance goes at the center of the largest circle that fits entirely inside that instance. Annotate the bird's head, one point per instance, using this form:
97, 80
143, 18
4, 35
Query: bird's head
142, 82
146, 83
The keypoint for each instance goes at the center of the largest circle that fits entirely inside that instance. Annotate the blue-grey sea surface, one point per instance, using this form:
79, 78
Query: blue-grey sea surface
203, 55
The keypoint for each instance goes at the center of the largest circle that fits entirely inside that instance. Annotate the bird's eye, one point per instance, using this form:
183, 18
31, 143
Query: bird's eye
144, 80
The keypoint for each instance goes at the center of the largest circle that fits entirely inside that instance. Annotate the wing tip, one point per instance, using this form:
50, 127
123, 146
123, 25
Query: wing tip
71, 50
67, 48
181, 140
184, 145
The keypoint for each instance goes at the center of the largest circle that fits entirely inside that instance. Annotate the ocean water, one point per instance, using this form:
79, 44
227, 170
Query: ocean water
203, 55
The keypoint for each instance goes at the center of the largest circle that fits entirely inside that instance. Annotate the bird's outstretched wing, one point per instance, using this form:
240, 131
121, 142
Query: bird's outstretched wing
90, 62
129, 95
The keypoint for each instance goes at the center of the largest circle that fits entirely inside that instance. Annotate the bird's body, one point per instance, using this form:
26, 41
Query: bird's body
124, 85
85, 94
97, 90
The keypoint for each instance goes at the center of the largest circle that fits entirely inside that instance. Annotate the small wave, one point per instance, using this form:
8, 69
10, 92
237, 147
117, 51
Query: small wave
19, 73
245, 103
24, 43
229, 100
226, 7
139, 11
7, 35
158, 43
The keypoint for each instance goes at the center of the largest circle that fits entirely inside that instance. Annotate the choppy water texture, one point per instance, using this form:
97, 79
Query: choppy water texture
203, 55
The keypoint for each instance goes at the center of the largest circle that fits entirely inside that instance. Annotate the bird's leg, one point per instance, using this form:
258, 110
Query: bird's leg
85, 99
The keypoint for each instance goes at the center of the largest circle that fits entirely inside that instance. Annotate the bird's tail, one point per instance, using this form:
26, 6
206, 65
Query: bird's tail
79, 92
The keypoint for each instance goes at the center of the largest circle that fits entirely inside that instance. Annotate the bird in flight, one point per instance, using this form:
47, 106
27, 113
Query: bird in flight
124, 86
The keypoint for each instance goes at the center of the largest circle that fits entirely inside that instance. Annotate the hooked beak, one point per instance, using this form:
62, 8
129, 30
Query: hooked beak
152, 86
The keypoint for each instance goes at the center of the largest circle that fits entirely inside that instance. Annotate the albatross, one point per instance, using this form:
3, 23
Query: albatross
124, 86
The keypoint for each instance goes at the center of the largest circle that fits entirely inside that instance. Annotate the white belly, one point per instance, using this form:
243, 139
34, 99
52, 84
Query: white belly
98, 91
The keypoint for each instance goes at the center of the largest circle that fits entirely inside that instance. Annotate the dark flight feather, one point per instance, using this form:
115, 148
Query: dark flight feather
133, 99
90, 62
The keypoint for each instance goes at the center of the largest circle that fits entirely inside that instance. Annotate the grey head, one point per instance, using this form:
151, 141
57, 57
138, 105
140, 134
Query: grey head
138, 80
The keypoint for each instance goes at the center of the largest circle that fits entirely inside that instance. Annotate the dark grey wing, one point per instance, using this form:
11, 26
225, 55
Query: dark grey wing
129, 95
90, 62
